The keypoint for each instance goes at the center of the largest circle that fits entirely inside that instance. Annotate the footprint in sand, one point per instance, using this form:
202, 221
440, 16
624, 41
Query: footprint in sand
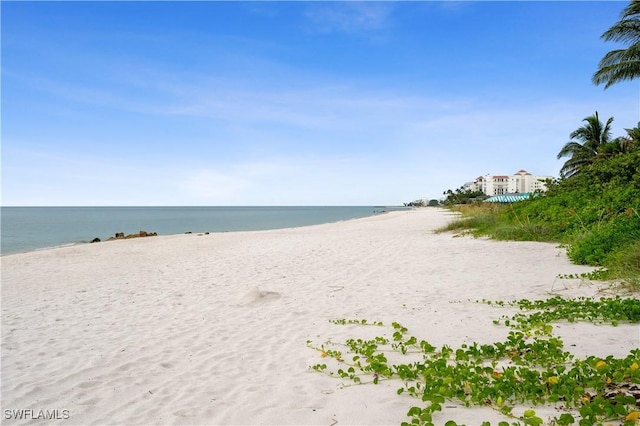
255, 297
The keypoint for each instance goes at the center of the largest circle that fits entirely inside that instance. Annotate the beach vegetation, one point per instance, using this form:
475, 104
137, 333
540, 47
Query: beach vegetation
595, 214
462, 195
529, 368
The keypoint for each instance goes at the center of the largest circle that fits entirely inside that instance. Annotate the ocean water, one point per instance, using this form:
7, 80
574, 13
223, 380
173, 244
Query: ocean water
33, 228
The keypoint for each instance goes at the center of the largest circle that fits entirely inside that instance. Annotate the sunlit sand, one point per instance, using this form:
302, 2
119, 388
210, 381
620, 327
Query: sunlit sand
213, 329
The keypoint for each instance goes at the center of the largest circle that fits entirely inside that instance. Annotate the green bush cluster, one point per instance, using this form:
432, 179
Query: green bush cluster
594, 246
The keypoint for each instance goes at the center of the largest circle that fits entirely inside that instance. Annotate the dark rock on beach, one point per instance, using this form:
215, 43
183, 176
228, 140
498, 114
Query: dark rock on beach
95, 240
121, 236
143, 234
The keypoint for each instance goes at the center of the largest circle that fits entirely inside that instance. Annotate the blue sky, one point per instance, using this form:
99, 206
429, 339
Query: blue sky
293, 103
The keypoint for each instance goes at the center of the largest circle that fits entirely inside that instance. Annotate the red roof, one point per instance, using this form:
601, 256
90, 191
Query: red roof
523, 172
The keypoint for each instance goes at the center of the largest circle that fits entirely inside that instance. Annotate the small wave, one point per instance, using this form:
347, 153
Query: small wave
60, 246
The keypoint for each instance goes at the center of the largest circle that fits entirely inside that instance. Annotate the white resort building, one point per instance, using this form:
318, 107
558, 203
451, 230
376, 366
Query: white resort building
519, 183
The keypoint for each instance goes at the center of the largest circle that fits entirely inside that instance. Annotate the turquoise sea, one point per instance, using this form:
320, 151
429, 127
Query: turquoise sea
33, 228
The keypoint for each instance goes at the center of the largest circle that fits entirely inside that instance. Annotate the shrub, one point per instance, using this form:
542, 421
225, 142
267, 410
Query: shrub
593, 246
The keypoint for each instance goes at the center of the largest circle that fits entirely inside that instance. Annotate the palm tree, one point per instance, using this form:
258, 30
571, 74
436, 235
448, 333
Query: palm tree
622, 144
584, 150
631, 142
622, 64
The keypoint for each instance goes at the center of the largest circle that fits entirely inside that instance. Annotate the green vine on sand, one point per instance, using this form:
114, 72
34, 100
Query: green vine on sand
542, 312
598, 274
529, 368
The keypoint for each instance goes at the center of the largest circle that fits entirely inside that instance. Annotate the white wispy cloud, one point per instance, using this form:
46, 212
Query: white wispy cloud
348, 17
298, 180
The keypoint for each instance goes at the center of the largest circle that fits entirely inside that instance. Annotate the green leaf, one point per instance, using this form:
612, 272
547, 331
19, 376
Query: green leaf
414, 411
425, 416
566, 419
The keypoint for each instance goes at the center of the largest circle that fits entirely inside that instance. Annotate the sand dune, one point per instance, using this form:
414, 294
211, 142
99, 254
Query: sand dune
212, 329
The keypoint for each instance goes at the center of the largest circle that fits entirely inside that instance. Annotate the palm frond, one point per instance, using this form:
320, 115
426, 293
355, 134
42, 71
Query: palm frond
587, 141
621, 64
613, 74
618, 65
570, 149
630, 54
624, 31
632, 9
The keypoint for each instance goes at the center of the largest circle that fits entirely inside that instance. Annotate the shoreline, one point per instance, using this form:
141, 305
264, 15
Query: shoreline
198, 233
165, 220
212, 329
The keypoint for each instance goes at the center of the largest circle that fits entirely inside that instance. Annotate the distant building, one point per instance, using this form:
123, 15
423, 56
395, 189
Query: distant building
519, 183
523, 181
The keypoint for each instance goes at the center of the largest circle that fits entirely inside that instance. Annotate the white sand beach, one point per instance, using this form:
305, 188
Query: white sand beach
213, 329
